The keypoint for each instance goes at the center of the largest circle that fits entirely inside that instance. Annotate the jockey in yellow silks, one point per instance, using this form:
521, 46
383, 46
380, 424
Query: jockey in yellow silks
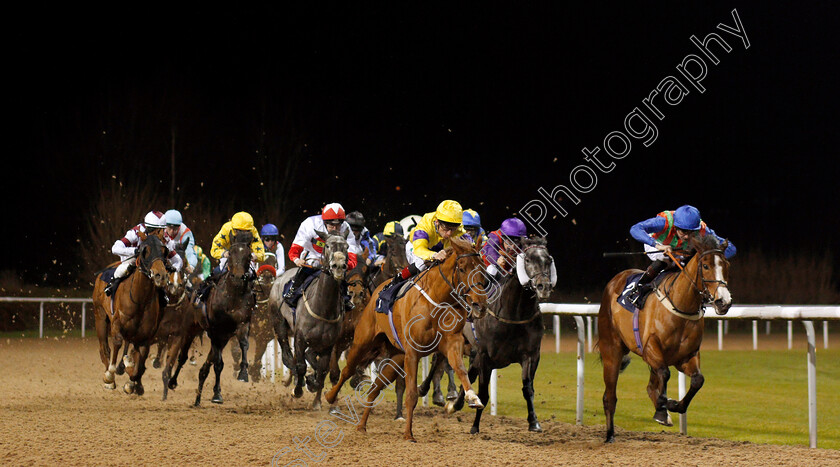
430, 237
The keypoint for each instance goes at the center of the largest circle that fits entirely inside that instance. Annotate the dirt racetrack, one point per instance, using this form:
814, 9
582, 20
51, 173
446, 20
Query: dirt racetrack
55, 411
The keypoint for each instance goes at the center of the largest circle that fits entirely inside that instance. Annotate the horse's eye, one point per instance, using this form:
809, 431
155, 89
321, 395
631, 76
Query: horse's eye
705, 266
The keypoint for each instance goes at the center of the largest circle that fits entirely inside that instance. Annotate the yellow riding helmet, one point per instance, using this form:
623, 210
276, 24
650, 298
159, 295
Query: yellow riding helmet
242, 221
392, 228
450, 211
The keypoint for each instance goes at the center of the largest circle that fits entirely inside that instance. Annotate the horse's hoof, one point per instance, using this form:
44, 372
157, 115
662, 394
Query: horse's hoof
410, 439
193, 362
334, 411
438, 400
120, 370
610, 440
128, 387
472, 400
535, 427
298, 392
172, 384
474, 430
674, 406
243, 377
108, 378
111, 385
311, 384
197, 402
453, 395
155, 363
450, 407
399, 418
361, 429
139, 390
217, 399
316, 407
663, 418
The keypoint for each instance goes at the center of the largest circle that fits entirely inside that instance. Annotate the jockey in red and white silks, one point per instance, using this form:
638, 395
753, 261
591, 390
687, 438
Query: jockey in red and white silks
307, 247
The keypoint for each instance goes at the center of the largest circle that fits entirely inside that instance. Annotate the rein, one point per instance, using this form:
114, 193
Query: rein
703, 293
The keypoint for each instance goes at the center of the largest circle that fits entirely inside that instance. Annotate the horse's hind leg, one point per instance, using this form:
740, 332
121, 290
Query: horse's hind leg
423, 389
156, 360
399, 388
389, 370
691, 368
116, 344
218, 365
300, 365
203, 372
437, 375
452, 389
613, 353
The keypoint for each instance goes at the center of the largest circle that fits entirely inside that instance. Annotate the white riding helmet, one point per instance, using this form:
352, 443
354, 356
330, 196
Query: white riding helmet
154, 220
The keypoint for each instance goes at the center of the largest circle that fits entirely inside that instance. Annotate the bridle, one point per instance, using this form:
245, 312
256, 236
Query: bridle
456, 276
703, 292
530, 284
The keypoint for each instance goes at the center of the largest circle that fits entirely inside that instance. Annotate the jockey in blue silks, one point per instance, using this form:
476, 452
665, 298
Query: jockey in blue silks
669, 231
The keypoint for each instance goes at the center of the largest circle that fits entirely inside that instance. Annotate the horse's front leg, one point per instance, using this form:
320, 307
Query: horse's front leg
657, 391
454, 348
300, 365
691, 368
529, 371
116, 344
255, 368
242, 334
140, 355
218, 365
322, 367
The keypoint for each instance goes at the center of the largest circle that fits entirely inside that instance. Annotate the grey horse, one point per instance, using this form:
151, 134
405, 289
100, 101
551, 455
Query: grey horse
512, 329
316, 323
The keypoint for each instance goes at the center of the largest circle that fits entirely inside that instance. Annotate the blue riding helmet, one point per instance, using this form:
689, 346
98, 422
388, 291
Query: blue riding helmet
269, 229
687, 218
173, 217
471, 219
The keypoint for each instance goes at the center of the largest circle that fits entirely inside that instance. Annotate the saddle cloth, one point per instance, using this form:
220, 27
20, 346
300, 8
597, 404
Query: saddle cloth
292, 301
390, 294
630, 284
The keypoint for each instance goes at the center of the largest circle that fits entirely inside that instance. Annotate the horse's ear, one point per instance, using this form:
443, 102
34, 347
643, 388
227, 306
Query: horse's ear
725, 244
321, 234
142, 236
185, 244
479, 243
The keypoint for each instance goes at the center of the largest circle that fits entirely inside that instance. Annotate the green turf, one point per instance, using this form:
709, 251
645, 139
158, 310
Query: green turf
757, 396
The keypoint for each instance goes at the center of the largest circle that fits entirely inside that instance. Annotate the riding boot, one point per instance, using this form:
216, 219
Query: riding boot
204, 289
112, 286
296, 281
645, 283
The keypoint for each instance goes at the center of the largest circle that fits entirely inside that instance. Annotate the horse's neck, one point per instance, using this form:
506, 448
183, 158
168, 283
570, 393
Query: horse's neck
683, 294
516, 298
438, 289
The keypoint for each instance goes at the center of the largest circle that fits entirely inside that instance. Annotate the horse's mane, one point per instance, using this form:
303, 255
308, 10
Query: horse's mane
461, 243
534, 241
705, 243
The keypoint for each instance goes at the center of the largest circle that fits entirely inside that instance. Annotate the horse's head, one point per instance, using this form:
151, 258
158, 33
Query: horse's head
396, 252
266, 274
152, 262
239, 262
538, 265
356, 280
713, 270
178, 280
335, 254
470, 281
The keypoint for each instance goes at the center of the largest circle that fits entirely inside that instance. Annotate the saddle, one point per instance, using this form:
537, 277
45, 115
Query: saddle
390, 294
292, 301
623, 299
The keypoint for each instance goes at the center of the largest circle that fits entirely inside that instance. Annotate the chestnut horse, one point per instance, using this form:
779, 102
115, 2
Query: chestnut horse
134, 314
670, 328
429, 318
263, 321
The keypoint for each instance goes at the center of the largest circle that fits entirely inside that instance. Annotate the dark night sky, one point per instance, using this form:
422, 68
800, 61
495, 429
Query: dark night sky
482, 105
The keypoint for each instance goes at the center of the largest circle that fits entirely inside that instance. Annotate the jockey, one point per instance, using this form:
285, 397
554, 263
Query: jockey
240, 228
472, 224
503, 245
178, 231
391, 228
430, 238
274, 252
153, 224
331, 221
357, 225
204, 261
669, 231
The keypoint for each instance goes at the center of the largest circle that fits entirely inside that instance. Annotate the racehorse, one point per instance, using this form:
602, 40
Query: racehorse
428, 318
263, 321
359, 295
229, 304
316, 322
513, 328
134, 314
394, 261
670, 328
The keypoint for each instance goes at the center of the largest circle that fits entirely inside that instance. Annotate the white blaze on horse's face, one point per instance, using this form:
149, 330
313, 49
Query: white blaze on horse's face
723, 299
336, 254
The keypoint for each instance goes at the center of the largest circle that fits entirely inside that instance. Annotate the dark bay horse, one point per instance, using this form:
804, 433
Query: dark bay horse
394, 261
513, 328
357, 280
428, 318
670, 328
229, 304
136, 313
316, 323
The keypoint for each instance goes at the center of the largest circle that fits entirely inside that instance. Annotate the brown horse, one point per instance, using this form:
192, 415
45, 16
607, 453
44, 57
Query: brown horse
134, 314
670, 328
427, 319
262, 321
360, 295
